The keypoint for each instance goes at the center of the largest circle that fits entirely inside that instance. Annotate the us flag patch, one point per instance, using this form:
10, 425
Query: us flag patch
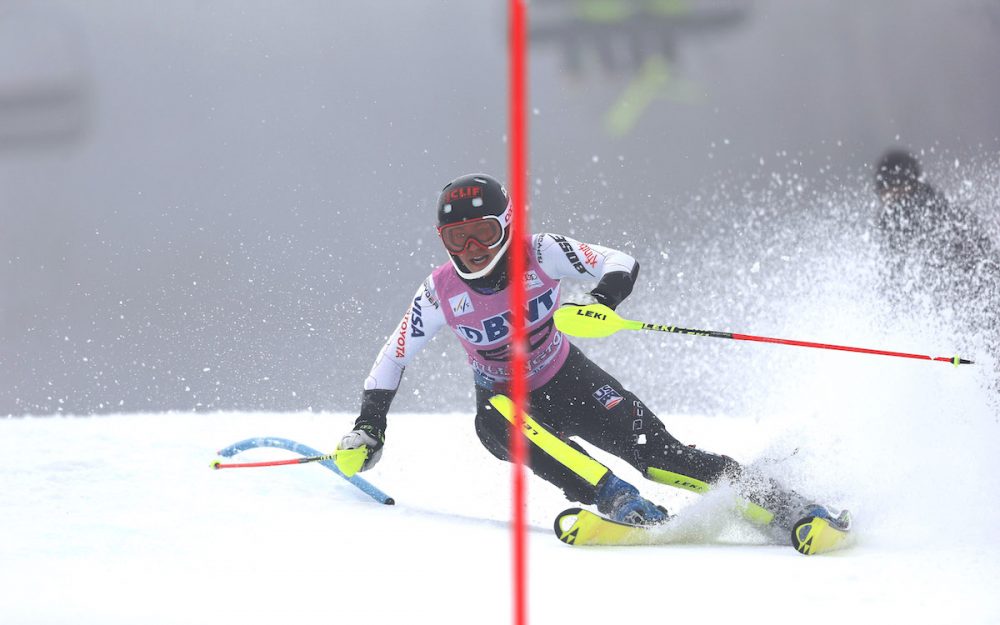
608, 396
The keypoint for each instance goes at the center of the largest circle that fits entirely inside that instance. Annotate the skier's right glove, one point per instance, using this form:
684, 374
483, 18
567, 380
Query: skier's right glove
360, 449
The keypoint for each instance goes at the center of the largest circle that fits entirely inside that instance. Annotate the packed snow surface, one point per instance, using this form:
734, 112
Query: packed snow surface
119, 519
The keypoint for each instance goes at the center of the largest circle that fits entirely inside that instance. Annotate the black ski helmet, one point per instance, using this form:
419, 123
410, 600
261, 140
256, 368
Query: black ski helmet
897, 169
473, 197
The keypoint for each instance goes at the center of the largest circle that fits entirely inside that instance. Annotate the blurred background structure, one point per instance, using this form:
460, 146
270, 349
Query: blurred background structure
228, 205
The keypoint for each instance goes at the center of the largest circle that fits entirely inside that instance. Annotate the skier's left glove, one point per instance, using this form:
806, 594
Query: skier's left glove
360, 449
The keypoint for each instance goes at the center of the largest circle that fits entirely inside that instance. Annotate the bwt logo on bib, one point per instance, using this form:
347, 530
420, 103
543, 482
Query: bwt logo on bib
498, 327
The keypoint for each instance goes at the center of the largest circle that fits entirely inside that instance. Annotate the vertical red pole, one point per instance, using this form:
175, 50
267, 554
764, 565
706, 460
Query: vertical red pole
518, 248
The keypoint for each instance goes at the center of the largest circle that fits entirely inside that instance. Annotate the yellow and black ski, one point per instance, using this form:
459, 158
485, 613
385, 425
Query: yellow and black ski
580, 527
818, 534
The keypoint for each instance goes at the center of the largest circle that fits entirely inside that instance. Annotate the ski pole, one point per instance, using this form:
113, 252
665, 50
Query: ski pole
597, 320
349, 461
271, 463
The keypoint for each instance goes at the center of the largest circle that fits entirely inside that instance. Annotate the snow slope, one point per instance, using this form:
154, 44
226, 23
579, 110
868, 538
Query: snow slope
119, 519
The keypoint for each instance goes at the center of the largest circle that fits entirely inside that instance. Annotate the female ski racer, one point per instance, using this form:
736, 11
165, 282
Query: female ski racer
568, 394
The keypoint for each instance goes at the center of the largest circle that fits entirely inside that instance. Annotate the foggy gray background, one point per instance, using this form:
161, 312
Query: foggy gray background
228, 205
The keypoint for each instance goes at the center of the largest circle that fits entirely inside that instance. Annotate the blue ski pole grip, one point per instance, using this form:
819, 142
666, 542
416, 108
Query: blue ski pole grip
305, 450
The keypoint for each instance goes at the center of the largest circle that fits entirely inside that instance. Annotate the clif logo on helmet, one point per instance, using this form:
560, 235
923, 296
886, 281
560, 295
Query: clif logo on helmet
461, 193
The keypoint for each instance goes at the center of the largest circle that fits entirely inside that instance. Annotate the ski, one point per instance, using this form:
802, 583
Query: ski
580, 527
821, 534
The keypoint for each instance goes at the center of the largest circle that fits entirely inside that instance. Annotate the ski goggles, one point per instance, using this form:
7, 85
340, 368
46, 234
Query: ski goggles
486, 231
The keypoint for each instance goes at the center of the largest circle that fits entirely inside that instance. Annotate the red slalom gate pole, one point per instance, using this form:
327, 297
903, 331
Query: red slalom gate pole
517, 67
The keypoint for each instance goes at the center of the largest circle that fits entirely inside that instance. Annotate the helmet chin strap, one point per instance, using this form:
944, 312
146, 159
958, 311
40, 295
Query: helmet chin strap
485, 271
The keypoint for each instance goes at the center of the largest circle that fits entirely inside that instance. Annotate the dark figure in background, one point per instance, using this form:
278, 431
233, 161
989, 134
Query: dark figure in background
932, 245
